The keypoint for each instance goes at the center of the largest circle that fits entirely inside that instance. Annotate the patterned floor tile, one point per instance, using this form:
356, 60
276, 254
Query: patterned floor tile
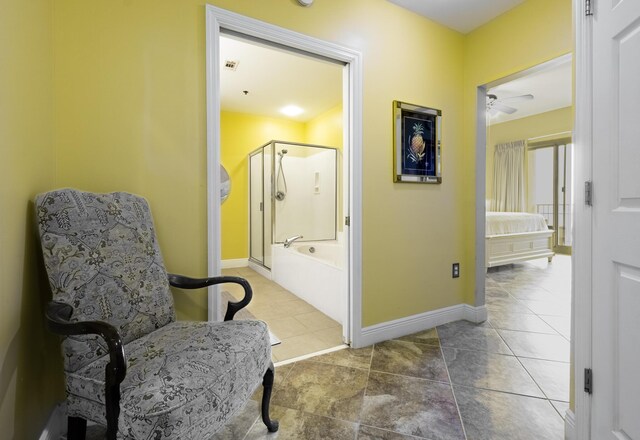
491, 371
409, 359
323, 389
466, 335
492, 415
552, 377
411, 406
537, 345
299, 425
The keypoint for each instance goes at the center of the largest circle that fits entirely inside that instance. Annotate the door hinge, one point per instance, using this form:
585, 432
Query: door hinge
587, 8
588, 380
347, 220
588, 193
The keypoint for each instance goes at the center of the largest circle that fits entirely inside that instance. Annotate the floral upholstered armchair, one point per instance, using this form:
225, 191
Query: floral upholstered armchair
129, 364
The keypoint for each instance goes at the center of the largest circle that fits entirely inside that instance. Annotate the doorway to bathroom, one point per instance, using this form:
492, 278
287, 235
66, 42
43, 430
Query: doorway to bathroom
288, 136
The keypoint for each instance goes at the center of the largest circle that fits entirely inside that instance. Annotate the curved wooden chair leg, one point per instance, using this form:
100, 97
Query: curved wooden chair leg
76, 428
267, 383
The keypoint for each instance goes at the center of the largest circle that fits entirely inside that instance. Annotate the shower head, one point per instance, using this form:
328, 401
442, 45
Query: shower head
282, 152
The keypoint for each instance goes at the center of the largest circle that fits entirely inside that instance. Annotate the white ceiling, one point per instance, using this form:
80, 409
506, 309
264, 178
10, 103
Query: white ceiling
460, 15
276, 78
551, 89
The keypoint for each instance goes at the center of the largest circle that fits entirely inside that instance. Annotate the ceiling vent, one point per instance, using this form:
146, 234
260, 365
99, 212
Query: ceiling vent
231, 65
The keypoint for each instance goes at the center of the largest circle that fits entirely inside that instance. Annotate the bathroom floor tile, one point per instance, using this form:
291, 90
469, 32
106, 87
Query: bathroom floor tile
316, 320
552, 377
301, 345
323, 389
330, 336
286, 327
409, 359
411, 406
537, 345
491, 371
493, 415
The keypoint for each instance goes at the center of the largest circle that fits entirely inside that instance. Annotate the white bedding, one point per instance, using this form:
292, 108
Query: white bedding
499, 223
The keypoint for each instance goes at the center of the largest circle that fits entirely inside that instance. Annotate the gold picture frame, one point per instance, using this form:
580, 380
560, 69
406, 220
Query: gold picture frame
416, 143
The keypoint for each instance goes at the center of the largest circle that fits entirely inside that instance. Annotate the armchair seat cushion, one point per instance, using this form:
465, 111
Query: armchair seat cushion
183, 380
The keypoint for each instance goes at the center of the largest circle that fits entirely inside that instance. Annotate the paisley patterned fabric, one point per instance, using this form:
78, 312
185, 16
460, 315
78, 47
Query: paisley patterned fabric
102, 258
184, 379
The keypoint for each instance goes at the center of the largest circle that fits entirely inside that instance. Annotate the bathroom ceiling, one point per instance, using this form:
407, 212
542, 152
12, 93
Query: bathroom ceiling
551, 89
276, 78
460, 15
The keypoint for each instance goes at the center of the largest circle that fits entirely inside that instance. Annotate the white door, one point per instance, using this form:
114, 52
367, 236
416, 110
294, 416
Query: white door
616, 221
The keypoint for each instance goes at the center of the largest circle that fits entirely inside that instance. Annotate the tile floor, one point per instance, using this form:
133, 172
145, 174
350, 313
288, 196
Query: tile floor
301, 328
505, 379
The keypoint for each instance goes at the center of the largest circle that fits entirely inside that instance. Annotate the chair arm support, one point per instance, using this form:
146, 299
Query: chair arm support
183, 282
58, 315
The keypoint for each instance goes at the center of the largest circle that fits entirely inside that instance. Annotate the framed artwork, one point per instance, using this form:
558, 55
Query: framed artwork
416, 143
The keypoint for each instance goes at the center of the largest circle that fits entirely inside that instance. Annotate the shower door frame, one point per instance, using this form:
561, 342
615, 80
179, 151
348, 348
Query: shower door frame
273, 218
219, 21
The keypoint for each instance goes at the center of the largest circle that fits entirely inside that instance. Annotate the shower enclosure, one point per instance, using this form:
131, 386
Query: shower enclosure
292, 192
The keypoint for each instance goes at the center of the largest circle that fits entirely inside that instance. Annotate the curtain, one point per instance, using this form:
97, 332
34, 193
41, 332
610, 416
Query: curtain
509, 177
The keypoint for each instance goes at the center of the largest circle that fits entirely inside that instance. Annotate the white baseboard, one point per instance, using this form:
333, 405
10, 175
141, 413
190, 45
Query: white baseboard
420, 322
56, 425
569, 425
260, 269
238, 262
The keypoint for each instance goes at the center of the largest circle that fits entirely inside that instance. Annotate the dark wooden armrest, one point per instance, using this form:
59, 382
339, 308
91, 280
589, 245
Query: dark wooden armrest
183, 282
58, 315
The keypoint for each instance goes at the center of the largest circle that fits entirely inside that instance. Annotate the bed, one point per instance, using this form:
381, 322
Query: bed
516, 236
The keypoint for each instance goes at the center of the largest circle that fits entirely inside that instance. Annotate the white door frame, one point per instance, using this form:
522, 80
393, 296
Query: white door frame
581, 339
218, 20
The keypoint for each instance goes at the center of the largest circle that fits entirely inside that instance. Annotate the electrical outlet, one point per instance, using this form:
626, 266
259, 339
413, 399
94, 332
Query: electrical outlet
455, 270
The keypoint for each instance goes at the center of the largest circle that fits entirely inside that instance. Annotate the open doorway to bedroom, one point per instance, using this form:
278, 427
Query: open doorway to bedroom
527, 234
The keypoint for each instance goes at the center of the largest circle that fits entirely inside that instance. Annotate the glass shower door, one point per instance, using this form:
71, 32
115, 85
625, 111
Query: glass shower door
256, 207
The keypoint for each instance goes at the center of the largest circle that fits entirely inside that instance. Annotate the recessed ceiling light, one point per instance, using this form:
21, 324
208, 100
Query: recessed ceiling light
291, 110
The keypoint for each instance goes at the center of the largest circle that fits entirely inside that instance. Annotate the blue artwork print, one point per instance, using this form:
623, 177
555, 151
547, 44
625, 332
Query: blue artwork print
418, 146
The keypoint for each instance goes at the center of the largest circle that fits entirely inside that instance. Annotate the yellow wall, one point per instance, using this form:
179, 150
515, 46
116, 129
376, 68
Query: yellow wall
128, 81
543, 124
326, 128
30, 362
130, 95
240, 134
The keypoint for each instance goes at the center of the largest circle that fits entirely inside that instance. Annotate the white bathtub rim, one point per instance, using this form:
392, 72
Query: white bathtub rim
294, 248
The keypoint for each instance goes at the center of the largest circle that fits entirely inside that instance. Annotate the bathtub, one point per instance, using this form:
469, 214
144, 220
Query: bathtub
314, 272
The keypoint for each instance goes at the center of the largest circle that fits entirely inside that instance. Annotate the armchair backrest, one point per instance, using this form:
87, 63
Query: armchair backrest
103, 259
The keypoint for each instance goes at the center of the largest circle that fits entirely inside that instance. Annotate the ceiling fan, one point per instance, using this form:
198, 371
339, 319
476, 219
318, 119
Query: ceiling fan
495, 104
